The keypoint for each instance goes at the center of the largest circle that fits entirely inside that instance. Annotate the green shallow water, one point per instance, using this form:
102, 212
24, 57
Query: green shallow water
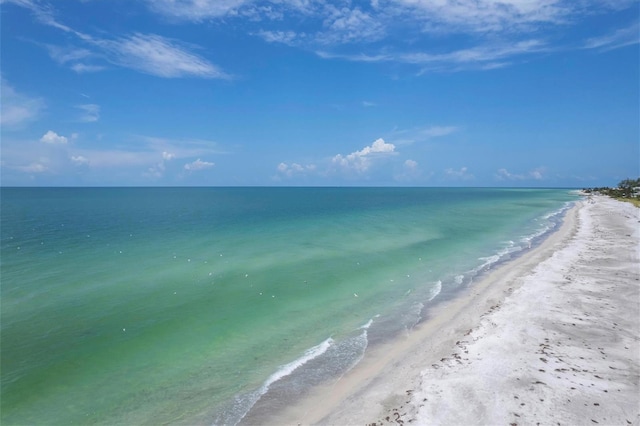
176, 305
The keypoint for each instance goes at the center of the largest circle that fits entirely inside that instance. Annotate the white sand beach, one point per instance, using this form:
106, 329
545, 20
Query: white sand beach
552, 337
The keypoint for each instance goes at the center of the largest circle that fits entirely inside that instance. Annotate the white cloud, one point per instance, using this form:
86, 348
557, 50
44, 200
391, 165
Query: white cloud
156, 55
340, 23
355, 163
361, 161
134, 157
499, 30
344, 25
535, 174
421, 134
34, 168
284, 37
505, 174
64, 55
198, 165
197, 10
255, 10
79, 160
82, 68
53, 138
158, 170
619, 38
337, 26
371, 21
411, 165
410, 171
462, 174
378, 146
17, 109
438, 131
485, 15
151, 153
118, 158
147, 53
358, 57
293, 169
260, 13
91, 112
147, 152
178, 148
368, 104
481, 57
75, 57
42, 12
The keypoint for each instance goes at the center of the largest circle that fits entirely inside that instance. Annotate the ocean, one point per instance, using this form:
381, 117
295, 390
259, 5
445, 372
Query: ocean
209, 305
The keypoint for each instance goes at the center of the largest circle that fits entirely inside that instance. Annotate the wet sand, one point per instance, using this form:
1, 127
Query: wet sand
551, 337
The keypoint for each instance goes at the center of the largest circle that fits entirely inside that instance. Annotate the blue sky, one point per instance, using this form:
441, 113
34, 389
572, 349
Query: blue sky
311, 92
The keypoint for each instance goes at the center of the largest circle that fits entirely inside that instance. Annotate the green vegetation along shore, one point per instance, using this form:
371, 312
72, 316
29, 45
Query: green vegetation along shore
627, 190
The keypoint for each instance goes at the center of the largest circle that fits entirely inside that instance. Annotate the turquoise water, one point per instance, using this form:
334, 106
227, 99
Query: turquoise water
208, 305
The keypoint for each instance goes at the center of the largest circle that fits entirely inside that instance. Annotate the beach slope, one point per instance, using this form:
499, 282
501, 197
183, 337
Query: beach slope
550, 338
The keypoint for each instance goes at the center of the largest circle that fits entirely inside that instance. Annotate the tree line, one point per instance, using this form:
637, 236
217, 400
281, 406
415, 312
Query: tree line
627, 188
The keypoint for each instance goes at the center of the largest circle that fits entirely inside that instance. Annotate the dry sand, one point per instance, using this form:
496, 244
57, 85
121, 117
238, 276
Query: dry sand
549, 338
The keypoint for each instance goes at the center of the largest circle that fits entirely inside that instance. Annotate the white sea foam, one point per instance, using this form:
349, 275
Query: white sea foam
505, 251
368, 323
549, 222
244, 403
489, 260
289, 368
357, 345
558, 212
344, 355
412, 315
436, 289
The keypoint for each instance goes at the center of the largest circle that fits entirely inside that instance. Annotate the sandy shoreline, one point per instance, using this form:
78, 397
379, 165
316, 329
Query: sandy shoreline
551, 338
